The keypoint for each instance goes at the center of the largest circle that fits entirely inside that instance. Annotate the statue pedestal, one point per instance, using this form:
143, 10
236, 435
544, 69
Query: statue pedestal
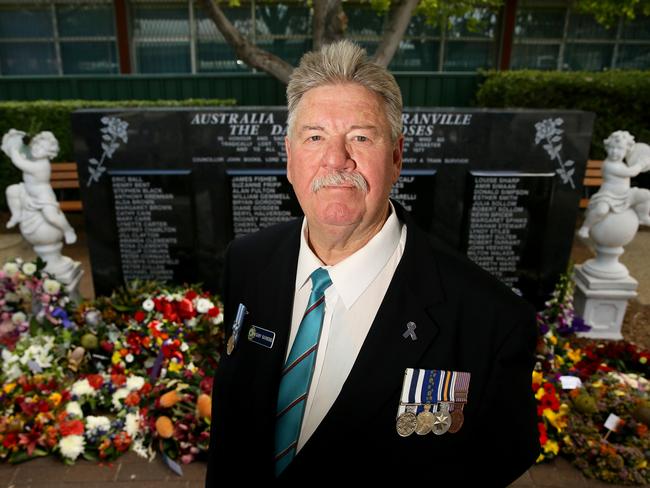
602, 302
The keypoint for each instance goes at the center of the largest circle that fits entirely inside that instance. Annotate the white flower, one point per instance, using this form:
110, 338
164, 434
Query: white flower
132, 424
10, 268
218, 319
82, 387
51, 287
118, 396
73, 408
148, 305
184, 347
96, 425
11, 297
71, 446
18, 318
29, 269
134, 383
129, 358
203, 305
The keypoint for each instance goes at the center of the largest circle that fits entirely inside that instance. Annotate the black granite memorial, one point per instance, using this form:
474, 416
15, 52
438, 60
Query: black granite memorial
166, 190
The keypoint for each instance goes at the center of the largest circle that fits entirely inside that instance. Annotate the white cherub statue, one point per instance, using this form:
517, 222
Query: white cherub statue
615, 194
33, 204
35, 192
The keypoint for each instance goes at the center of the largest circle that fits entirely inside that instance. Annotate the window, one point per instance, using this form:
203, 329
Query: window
48, 38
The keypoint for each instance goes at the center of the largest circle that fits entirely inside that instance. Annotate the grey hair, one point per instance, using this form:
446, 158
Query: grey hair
344, 62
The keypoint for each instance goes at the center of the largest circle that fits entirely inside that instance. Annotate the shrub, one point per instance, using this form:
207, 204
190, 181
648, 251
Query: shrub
620, 99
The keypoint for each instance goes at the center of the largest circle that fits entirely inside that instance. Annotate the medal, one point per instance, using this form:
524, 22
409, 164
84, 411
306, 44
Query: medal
231, 345
236, 326
406, 424
457, 418
442, 420
424, 421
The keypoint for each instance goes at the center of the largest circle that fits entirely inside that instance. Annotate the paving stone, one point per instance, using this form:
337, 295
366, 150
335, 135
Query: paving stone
85, 471
523, 481
194, 471
145, 471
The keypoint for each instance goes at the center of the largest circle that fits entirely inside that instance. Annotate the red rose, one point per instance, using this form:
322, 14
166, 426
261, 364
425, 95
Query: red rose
213, 312
95, 380
10, 440
139, 316
118, 379
71, 427
132, 399
186, 309
191, 295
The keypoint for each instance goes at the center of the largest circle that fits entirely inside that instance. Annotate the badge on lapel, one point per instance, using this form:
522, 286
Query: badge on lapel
236, 327
432, 401
263, 337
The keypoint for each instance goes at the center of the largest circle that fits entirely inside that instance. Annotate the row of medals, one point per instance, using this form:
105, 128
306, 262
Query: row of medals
440, 421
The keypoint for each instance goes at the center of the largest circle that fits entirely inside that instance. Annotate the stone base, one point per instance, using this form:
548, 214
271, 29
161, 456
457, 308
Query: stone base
602, 303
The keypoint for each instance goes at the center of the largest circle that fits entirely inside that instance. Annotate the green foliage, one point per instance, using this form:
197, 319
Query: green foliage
33, 117
437, 12
620, 99
608, 12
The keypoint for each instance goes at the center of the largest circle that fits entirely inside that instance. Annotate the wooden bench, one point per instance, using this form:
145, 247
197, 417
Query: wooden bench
593, 180
64, 176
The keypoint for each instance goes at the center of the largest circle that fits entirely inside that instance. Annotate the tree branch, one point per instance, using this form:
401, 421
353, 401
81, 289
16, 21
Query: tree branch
399, 20
246, 50
329, 23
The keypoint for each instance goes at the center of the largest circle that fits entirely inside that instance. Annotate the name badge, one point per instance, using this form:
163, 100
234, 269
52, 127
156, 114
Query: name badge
263, 337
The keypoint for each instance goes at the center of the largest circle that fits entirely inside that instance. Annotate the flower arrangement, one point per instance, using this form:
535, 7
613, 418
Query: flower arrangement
87, 380
578, 383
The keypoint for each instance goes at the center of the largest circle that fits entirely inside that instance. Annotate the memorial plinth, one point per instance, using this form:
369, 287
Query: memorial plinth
165, 190
602, 303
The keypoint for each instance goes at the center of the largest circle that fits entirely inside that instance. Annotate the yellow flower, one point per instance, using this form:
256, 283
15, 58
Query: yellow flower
574, 355
643, 359
553, 339
55, 398
9, 387
619, 393
175, 367
567, 440
116, 358
540, 458
557, 420
597, 384
552, 446
540, 393
559, 361
538, 377
159, 341
642, 464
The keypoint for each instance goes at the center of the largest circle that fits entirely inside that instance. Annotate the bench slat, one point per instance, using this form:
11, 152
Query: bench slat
71, 206
65, 175
58, 185
64, 166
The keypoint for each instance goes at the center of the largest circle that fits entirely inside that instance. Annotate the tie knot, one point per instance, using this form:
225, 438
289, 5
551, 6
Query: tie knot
320, 281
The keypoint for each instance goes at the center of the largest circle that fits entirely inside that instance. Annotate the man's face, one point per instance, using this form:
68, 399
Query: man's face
343, 129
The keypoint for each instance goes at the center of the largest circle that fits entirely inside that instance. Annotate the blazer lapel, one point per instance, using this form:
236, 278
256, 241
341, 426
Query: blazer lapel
378, 372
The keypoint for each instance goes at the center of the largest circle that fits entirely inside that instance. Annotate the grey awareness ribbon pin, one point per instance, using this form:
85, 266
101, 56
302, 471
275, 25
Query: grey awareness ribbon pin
410, 331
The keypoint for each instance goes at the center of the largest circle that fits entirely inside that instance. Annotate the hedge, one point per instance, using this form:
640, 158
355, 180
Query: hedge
620, 99
33, 117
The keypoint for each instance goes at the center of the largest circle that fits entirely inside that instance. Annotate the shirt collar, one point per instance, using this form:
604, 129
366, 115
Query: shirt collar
354, 274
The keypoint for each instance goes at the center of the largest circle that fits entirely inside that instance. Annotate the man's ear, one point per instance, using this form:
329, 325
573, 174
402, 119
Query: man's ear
287, 148
398, 152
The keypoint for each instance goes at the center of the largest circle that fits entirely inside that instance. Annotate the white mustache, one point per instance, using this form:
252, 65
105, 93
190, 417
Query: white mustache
340, 178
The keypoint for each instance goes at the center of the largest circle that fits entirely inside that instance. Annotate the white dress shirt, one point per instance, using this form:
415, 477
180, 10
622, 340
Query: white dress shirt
359, 284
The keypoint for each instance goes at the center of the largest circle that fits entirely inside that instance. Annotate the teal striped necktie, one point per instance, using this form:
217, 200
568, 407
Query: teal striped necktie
297, 373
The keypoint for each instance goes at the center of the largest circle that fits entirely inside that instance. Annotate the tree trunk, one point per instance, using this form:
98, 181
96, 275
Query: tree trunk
399, 20
246, 50
329, 24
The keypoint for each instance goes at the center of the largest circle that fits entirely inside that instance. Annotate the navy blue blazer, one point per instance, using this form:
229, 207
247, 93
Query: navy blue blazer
466, 321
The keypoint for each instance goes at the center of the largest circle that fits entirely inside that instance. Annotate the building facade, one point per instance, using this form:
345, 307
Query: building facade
67, 37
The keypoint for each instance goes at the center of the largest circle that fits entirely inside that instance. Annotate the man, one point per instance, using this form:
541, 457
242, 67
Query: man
357, 348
